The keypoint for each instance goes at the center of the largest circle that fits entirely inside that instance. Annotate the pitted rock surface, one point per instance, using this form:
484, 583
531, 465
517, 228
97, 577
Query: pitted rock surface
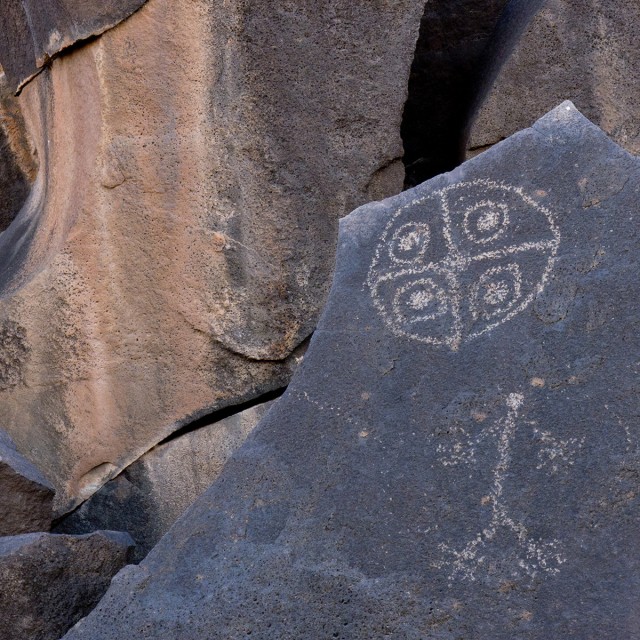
177, 245
33, 32
26, 496
48, 582
484, 487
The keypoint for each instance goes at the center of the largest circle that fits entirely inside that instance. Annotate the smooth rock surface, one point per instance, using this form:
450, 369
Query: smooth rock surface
152, 493
26, 497
457, 457
586, 52
48, 582
32, 32
178, 243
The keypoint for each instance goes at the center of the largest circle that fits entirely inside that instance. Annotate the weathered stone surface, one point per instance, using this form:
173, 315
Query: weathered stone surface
32, 32
586, 52
457, 457
151, 494
461, 48
26, 497
48, 582
178, 243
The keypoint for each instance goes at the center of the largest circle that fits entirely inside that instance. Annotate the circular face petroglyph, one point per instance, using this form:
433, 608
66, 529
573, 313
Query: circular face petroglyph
456, 264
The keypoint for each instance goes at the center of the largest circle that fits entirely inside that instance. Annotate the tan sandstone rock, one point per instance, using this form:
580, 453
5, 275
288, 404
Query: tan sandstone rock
178, 242
586, 52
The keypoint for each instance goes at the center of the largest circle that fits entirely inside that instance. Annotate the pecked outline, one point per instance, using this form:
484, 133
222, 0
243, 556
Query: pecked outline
456, 262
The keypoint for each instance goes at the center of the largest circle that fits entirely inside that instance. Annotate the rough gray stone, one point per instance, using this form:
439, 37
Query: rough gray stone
32, 32
457, 456
152, 493
586, 52
48, 582
26, 497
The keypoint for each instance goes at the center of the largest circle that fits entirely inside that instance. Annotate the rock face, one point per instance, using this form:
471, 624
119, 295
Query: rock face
151, 494
49, 582
17, 165
33, 32
583, 51
177, 245
458, 454
462, 46
26, 497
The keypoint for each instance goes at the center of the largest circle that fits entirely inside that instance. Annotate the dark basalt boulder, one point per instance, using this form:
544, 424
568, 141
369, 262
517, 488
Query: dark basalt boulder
585, 52
48, 582
32, 32
457, 456
26, 496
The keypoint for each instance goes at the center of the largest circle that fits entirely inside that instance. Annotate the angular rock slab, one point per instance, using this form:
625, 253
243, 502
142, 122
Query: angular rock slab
26, 496
33, 32
584, 52
458, 454
178, 243
48, 582
153, 492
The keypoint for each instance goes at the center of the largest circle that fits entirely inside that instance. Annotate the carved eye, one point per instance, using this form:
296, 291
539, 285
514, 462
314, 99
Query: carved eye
421, 300
496, 291
410, 242
485, 221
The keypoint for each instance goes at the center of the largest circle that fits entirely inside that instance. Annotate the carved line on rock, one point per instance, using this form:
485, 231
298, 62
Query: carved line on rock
489, 220
535, 555
455, 263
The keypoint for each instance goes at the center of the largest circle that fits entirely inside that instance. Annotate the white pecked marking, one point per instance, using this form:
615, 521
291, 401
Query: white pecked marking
426, 295
534, 556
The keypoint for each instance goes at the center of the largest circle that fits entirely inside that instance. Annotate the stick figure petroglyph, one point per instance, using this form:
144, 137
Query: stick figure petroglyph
456, 264
533, 556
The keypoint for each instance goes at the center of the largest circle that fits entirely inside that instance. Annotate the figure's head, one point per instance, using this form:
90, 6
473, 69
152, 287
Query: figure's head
455, 265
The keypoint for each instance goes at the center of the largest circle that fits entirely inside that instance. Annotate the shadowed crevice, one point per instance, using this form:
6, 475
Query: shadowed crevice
221, 414
461, 47
18, 166
14, 186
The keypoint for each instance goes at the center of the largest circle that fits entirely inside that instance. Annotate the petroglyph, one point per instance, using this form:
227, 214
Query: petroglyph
531, 556
456, 264
556, 454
